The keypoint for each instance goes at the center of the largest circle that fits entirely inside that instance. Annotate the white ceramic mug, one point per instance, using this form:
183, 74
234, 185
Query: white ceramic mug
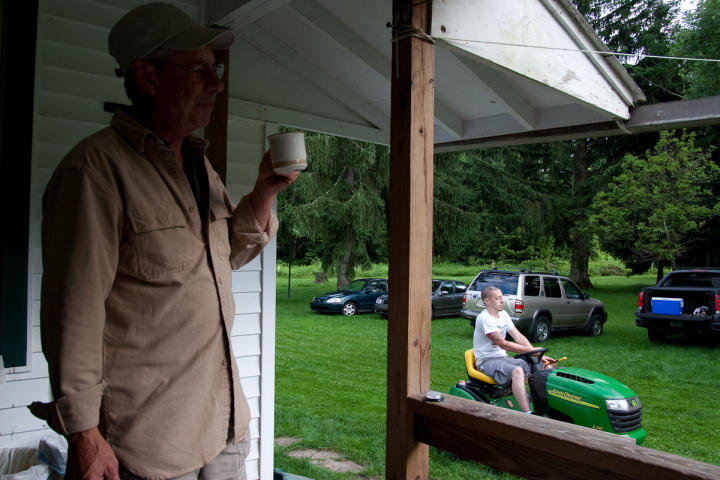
287, 151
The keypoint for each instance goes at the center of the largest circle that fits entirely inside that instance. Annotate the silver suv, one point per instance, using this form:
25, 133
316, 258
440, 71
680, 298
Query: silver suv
538, 302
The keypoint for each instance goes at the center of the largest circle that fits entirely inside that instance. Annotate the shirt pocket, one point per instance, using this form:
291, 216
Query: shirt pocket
162, 240
220, 216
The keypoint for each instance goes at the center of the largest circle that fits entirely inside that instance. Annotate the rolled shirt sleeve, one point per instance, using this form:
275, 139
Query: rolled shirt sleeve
248, 238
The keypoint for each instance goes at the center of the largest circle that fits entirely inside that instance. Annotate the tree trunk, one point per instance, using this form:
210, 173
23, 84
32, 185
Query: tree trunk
292, 257
579, 263
660, 271
580, 236
346, 268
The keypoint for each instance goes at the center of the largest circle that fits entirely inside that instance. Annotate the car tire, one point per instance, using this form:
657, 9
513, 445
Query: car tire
349, 309
383, 315
594, 327
540, 330
657, 334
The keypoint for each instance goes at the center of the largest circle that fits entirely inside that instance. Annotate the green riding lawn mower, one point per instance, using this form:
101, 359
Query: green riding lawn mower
568, 394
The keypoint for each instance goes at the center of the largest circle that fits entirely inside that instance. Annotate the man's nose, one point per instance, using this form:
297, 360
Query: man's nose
214, 83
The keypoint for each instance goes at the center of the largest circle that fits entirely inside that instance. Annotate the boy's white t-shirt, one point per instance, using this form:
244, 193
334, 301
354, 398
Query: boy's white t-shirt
484, 324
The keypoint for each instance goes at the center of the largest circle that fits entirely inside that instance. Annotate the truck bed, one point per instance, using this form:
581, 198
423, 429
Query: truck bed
700, 304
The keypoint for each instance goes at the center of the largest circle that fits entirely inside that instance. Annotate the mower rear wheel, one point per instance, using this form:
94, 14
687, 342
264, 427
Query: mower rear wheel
594, 326
540, 330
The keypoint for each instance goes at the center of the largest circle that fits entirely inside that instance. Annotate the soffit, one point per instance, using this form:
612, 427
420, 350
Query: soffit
325, 65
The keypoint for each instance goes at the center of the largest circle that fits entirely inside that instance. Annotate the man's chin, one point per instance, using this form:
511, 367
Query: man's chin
202, 119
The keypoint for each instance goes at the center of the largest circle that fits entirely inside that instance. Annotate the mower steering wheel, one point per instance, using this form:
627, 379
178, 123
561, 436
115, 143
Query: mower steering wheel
526, 355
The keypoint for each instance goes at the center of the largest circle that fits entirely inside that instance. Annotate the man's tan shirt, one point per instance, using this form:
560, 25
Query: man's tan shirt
137, 306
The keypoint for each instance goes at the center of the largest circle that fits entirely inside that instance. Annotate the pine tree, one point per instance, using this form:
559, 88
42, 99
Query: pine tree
337, 204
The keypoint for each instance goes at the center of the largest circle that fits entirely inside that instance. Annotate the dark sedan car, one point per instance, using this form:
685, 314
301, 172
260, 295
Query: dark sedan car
447, 298
357, 297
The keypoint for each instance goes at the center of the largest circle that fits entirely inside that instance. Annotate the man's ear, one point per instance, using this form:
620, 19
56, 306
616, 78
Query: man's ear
146, 76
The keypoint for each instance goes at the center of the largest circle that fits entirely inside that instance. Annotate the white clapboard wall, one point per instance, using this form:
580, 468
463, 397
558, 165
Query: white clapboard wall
74, 77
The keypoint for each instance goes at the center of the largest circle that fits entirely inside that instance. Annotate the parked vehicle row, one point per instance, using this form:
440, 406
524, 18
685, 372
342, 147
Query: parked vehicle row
537, 302
371, 295
357, 297
446, 298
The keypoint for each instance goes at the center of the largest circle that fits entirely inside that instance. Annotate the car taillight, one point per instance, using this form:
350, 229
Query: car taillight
717, 303
519, 306
464, 299
642, 294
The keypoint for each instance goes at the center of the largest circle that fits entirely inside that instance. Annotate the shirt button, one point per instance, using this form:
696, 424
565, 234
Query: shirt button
225, 362
191, 209
173, 171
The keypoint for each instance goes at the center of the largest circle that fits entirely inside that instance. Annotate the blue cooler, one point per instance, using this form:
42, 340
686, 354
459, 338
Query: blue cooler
667, 306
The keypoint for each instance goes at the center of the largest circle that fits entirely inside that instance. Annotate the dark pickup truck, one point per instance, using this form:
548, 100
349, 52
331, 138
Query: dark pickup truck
683, 301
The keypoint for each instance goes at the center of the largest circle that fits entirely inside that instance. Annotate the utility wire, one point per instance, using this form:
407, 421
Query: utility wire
599, 52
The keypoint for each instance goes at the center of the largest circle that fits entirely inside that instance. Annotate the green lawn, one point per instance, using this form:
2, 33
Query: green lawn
331, 379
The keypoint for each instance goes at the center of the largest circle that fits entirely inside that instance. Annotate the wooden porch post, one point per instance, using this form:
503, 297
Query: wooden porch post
216, 131
410, 252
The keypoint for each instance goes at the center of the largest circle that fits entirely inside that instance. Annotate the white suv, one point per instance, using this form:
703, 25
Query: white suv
538, 302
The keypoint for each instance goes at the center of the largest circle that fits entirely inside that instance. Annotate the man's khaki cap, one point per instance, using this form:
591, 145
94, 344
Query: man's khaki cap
159, 25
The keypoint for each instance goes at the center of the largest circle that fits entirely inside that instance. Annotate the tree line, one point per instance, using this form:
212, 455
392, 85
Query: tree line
647, 199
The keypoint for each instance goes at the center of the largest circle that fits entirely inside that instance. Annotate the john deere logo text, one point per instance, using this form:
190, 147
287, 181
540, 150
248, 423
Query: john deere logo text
569, 397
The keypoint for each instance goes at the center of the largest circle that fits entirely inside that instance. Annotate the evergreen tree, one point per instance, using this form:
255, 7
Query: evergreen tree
700, 39
485, 208
658, 203
337, 204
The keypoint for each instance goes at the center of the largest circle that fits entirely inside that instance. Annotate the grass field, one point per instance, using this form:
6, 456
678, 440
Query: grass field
331, 379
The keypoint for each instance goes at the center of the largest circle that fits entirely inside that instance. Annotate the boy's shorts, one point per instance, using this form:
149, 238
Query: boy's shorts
501, 368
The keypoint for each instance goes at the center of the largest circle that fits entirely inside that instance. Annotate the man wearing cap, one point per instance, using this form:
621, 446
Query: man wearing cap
139, 238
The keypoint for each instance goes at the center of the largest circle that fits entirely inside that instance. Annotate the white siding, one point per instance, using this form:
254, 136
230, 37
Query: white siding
74, 77
254, 303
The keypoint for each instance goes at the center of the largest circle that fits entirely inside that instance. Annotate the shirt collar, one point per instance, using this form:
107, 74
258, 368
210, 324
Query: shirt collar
138, 134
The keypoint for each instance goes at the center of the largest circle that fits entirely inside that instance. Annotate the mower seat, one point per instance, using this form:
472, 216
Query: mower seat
473, 372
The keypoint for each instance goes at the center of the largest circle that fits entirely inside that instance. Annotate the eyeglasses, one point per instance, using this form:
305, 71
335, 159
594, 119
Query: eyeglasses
201, 71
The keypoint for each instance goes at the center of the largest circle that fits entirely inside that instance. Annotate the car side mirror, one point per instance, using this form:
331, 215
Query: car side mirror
585, 296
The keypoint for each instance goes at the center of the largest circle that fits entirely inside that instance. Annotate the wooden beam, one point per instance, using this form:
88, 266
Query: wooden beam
410, 265
517, 106
536, 447
307, 121
678, 114
272, 47
216, 130
338, 32
698, 112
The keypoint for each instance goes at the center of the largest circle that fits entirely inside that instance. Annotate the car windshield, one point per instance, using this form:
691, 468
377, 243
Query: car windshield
506, 282
356, 285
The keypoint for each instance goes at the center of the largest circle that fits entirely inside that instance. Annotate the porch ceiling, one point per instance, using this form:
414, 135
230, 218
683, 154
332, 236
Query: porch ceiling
324, 65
